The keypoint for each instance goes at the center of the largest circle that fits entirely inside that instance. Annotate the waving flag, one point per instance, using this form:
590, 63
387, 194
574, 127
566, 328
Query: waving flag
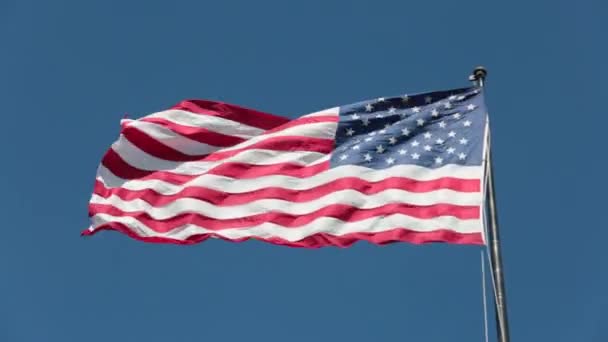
405, 168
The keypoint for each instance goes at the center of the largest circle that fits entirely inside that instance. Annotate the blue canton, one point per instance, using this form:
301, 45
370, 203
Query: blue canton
430, 130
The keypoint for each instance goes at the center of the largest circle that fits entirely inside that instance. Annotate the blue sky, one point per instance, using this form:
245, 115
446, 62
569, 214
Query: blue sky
69, 70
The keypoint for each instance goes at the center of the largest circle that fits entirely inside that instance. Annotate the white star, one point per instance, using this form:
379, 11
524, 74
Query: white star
461, 97
442, 124
416, 110
415, 156
365, 121
462, 156
381, 99
457, 115
428, 99
447, 105
367, 157
420, 122
463, 141
452, 98
369, 107
355, 116
405, 98
392, 140
382, 131
438, 160
390, 161
350, 132
369, 139
427, 148
435, 113
405, 131
439, 141
467, 123
471, 107
379, 115
427, 135
387, 126
356, 147
380, 149
415, 143
452, 134
372, 133
391, 110
451, 150
344, 156
402, 151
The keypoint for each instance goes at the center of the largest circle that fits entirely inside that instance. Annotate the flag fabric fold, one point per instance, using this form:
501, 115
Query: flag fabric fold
398, 169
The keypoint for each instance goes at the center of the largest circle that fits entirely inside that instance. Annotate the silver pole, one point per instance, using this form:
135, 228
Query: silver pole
502, 325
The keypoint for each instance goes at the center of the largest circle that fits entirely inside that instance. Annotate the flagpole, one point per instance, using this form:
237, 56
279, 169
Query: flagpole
502, 326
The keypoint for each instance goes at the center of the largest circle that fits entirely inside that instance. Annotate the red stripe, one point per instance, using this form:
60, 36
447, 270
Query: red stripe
345, 213
114, 162
199, 134
119, 167
305, 121
157, 149
320, 239
226, 199
228, 111
281, 143
248, 171
210, 137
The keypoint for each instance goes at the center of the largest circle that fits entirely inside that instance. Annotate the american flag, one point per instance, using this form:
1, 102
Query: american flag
406, 168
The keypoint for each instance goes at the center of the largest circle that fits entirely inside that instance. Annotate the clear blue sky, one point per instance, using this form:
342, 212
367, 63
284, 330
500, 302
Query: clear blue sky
69, 70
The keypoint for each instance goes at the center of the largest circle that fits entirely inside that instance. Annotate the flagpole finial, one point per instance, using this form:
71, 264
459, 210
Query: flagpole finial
478, 76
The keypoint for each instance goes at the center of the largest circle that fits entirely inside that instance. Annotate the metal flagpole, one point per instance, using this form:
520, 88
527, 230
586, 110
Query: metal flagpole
478, 77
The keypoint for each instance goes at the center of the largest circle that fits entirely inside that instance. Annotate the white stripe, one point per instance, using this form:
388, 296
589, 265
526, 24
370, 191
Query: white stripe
210, 122
321, 130
327, 225
335, 111
143, 161
172, 139
346, 197
230, 185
